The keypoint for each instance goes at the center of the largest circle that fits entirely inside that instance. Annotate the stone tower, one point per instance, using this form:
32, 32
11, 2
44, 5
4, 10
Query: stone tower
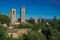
12, 16
22, 14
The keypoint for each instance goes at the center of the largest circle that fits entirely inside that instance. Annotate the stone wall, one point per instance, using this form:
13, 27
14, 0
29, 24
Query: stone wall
13, 35
19, 32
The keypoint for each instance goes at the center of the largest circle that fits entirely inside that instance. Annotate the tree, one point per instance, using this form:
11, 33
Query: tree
34, 35
32, 21
3, 33
55, 34
25, 26
54, 23
19, 19
4, 19
21, 26
41, 20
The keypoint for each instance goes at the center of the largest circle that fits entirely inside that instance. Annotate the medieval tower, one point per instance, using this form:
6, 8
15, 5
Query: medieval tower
22, 14
12, 16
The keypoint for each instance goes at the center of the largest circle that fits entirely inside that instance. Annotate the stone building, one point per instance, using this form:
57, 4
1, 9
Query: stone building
40, 19
15, 32
12, 32
35, 20
22, 14
12, 16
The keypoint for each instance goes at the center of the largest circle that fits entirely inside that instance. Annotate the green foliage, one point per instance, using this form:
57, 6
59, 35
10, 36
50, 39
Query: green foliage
35, 27
58, 23
21, 38
4, 19
32, 26
38, 26
32, 21
51, 32
41, 20
3, 33
25, 26
21, 26
54, 22
55, 34
34, 35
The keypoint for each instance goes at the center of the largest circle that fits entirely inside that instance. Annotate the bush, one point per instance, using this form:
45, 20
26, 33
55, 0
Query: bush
3, 33
34, 35
25, 26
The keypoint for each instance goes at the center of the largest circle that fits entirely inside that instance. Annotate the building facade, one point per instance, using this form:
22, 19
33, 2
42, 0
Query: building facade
12, 16
22, 14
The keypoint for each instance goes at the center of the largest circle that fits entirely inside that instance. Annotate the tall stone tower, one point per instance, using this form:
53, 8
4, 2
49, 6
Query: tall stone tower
22, 14
12, 16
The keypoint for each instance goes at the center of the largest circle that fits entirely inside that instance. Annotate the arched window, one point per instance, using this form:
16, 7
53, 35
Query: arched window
13, 12
11, 35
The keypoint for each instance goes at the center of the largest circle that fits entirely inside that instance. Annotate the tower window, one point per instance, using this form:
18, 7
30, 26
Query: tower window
13, 12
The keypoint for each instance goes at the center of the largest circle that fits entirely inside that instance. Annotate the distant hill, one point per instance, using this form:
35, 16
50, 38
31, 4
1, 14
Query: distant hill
45, 20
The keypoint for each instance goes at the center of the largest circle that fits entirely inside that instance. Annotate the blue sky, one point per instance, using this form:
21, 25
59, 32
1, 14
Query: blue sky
34, 8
